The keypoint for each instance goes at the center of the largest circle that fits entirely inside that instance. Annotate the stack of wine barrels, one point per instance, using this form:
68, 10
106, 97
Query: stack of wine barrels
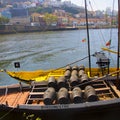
76, 75
65, 89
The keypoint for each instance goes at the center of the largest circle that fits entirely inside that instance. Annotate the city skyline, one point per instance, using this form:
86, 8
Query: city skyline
97, 4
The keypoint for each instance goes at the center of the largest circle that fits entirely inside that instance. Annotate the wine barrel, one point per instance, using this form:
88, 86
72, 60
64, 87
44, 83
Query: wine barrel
67, 74
81, 72
75, 68
90, 94
49, 96
63, 96
77, 95
84, 78
74, 72
82, 67
68, 68
52, 82
61, 82
74, 80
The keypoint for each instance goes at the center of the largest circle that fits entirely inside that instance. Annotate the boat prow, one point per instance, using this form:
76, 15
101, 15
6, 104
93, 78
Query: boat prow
37, 75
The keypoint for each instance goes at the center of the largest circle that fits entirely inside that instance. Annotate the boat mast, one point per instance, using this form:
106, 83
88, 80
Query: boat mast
118, 56
88, 37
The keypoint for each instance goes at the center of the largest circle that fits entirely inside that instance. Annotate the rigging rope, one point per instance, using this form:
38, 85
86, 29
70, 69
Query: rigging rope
100, 30
75, 61
112, 19
111, 30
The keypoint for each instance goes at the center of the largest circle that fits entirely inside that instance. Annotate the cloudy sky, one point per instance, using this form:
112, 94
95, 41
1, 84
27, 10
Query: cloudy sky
97, 4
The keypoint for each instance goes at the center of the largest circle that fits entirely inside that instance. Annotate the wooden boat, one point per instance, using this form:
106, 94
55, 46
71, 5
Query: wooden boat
65, 102
75, 93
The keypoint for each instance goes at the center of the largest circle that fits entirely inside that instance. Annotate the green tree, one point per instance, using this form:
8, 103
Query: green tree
41, 10
50, 18
4, 20
38, 9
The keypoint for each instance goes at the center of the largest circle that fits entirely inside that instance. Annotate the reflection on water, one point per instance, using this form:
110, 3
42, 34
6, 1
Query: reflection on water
46, 50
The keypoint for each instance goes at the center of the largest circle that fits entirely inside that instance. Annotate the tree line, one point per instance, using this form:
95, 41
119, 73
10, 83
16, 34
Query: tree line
3, 20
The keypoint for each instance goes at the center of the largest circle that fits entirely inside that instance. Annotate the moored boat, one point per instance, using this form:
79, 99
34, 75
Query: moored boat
75, 92
70, 97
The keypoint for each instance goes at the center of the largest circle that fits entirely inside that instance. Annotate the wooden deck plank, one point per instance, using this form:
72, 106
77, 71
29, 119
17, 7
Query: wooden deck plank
2, 99
24, 98
14, 99
35, 99
36, 93
114, 88
11, 98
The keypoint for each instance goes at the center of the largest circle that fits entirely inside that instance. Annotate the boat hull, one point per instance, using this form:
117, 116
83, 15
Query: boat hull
90, 110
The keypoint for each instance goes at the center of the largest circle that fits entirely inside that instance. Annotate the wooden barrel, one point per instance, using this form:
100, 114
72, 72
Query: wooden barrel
63, 96
49, 96
52, 82
74, 80
68, 68
77, 95
74, 72
82, 67
90, 94
81, 72
67, 74
61, 82
75, 68
84, 78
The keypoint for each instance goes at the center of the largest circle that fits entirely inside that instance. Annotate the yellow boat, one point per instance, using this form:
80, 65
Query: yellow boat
43, 75
38, 75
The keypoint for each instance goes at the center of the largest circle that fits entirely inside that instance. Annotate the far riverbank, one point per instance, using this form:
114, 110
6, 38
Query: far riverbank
13, 29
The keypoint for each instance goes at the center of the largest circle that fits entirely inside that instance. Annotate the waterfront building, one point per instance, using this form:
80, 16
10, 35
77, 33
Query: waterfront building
20, 21
19, 12
6, 14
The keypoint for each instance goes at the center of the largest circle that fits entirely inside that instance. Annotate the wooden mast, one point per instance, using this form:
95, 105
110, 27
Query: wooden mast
88, 37
118, 56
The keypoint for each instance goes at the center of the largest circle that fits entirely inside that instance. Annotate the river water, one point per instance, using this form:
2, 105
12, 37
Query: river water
45, 50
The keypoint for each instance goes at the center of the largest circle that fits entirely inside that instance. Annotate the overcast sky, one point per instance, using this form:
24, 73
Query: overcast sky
97, 4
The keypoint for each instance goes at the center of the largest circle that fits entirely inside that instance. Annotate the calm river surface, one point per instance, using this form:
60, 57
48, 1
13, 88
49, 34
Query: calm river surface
45, 50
